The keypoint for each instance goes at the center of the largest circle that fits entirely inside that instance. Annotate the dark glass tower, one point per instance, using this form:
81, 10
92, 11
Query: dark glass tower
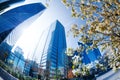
54, 60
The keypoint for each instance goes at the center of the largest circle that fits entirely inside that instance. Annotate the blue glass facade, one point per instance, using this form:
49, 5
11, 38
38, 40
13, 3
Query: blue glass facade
85, 59
55, 57
4, 34
90, 55
14, 17
10, 20
94, 54
57, 45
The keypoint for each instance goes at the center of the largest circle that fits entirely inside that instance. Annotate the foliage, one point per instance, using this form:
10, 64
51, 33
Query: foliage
82, 70
58, 75
102, 26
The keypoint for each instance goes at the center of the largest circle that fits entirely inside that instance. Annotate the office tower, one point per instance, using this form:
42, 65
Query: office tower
94, 54
54, 59
90, 55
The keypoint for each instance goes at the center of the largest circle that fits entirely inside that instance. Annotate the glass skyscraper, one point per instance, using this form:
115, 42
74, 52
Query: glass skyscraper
53, 58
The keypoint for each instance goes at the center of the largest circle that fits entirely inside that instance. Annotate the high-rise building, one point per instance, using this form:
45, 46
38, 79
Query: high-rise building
53, 58
18, 59
94, 54
90, 55
15, 20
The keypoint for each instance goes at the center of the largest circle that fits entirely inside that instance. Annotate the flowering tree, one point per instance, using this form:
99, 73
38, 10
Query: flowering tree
102, 26
79, 68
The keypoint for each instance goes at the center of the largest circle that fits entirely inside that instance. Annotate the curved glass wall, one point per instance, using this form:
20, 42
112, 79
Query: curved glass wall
18, 18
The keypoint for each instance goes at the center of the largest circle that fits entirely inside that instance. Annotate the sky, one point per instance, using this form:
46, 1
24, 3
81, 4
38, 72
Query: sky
55, 11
